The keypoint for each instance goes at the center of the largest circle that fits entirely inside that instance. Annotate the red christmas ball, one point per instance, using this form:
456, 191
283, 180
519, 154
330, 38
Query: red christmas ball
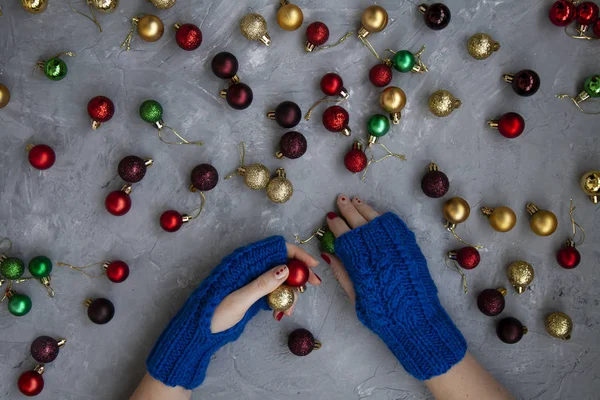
171, 221
117, 271
31, 383
596, 28
526, 83
44, 349
118, 203
435, 184
299, 273
380, 75
587, 13
239, 96
188, 37
355, 160
491, 302
224, 65
41, 156
335, 119
568, 257
511, 125
288, 114
132, 169
101, 109
562, 13
510, 330
301, 342
467, 257
293, 145
204, 177
332, 84
317, 33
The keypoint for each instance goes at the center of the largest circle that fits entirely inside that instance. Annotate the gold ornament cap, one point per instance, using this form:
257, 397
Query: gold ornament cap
4, 96
39, 369
456, 210
289, 16
280, 189
590, 184
520, 275
373, 19
502, 219
254, 27
256, 176
559, 325
542, 222
481, 45
442, 103
281, 299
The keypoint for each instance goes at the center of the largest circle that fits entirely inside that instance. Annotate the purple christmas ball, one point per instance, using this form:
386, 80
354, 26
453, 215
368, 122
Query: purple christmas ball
204, 177
44, 349
132, 169
491, 302
301, 342
292, 145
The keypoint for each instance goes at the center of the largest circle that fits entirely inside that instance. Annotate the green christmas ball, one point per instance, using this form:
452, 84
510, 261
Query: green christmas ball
378, 125
327, 241
592, 86
19, 304
12, 268
404, 61
55, 69
151, 111
40, 267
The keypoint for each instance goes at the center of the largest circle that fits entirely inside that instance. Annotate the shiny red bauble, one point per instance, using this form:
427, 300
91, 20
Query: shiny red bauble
41, 156
239, 96
333, 85
568, 257
117, 271
101, 109
204, 177
301, 342
298, 273
31, 383
587, 13
44, 349
562, 13
224, 65
510, 330
435, 184
511, 125
132, 169
317, 33
292, 145
467, 257
380, 75
188, 37
491, 302
336, 119
355, 160
171, 221
118, 203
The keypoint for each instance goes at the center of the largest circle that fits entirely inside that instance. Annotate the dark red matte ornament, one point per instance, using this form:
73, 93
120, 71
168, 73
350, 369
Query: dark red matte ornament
292, 145
204, 177
301, 342
510, 330
491, 302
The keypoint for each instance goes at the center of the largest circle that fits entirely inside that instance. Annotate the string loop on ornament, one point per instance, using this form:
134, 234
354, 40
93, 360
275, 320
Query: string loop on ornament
92, 18
574, 100
368, 45
242, 150
203, 201
579, 35
575, 225
456, 267
478, 247
346, 36
127, 42
388, 155
183, 140
304, 241
421, 68
325, 99
65, 53
81, 269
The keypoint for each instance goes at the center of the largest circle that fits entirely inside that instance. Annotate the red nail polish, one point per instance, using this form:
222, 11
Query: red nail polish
358, 201
327, 260
343, 199
318, 277
277, 273
279, 316
331, 215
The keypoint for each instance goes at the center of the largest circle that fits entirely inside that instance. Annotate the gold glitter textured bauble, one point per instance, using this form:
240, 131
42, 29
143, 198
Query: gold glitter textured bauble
481, 45
442, 103
374, 19
456, 210
290, 17
281, 299
559, 325
4, 96
590, 184
543, 222
150, 28
34, 6
280, 189
520, 275
254, 27
104, 6
256, 176
502, 219
163, 4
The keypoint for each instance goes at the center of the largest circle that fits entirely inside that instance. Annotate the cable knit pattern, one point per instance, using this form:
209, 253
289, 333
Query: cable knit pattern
181, 355
396, 297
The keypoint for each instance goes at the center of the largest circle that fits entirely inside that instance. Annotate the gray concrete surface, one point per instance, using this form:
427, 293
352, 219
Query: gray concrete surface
60, 212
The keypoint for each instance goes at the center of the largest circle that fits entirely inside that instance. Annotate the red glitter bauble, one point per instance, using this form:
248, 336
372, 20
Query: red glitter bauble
491, 302
317, 33
596, 28
118, 203
239, 96
380, 75
204, 177
188, 37
132, 169
587, 13
299, 273
468, 257
568, 257
101, 109
335, 119
41, 156
435, 184
117, 271
292, 145
301, 342
562, 13
171, 221
355, 160
31, 383
224, 65
510, 330
44, 349
511, 125
332, 84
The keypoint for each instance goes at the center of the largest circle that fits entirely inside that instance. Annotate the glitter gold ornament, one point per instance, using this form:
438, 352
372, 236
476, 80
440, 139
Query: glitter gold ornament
393, 100
256, 176
502, 219
374, 19
104, 6
481, 45
163, 4
254, 27
590, 183
280, 189
34, 6
520, 274
289, 16
542, 222
281, 299
442, 103
559, 325
4, 96
149, 27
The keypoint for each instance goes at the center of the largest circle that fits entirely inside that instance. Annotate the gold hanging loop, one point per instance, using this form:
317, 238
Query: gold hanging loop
420, 67
92, 18
202, 202
368, 45
242, 150
127, 42
578, 35
451, 229
81, 269
574, 100
318, 232
575, 225
325, 99
183, 140
456, 267
388, 155
346, 36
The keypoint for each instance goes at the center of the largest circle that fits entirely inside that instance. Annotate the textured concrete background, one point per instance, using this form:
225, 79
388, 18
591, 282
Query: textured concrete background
60, 212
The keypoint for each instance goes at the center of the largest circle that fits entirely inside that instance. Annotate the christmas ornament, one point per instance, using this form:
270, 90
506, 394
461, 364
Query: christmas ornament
132, 169
481, 45
281, 299
510, 330
18, 304
568, 256
587, 14
525, 82
100, 311
559, 325
317, 34
4, 96
591, 89
256, 176
502, 219
380, 75
172, 221
116, 271
596, 28
292, 145
456, 210
377, 126
225, 66
103, 6
562, 13
436, 16
542, 222
520, 275
326, 238
118, 202
149, 27
55, 68
442, 103
510, 125
355, 159
151, 111
435, 183
298, 275
12, 267
374, 19
393, 100
239, 96
405, 61
163, 4
31, 383
40, 267
204, 177
40, 156
254, 27
34, 6
279, 188
590, 184
287, 114
187, 36
332, 85
336, 119
100, 109
301, 342
289, 16
44, 349
491, 301
467, 257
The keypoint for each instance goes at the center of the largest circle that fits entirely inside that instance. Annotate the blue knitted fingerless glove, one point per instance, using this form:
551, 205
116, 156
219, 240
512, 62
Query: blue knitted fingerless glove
181, 355
396, 297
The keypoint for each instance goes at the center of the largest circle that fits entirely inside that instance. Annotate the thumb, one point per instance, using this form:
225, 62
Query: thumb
340, 273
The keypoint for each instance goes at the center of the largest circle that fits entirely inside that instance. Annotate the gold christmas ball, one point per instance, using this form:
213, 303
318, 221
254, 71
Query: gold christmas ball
254, 27
392, 99
442, 103
163, 4
590, 183
559, 325
374, 19
104, 6
4, 96
456, 210
520, 275
280, 189
502, 219
481, 46
150, 28
281, 299
34, 6
256, 176
543, 222
290, 17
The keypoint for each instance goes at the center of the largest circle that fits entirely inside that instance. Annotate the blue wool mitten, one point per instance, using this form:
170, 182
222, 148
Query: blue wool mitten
396, 297
181, 355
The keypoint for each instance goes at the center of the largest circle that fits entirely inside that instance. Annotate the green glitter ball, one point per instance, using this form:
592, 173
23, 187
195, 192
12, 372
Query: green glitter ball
19, 304
592, 86
378, 125
55, 69
12, 268
151, 111
404, 61
40, 267
327, 241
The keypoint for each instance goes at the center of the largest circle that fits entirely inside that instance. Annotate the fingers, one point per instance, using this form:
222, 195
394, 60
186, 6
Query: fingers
340, 273
300, 254
349, 212
364, 209
336, 225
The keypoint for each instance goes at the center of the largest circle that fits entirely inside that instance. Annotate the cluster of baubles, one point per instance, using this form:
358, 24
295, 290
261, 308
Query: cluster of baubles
131, 169
238, 95
150, 28
585, 15
282, 298
44, 350
292, 144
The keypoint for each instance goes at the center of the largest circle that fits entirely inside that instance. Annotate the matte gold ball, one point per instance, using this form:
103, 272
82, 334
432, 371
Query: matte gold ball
481, 45
502, 219
254, 27
104, 6
442, 103
520, 274
374, 19
163, 4
256, 176
543, 223
456, 210
290, 17
150, 28
4, 96
559, 325
280, 189
392, 99
281, 299
34, 6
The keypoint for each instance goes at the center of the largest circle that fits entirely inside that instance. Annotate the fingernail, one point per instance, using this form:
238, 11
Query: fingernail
326, 258
280, 271
357, 200
343, 199
318, 277
279, 316
331, 215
